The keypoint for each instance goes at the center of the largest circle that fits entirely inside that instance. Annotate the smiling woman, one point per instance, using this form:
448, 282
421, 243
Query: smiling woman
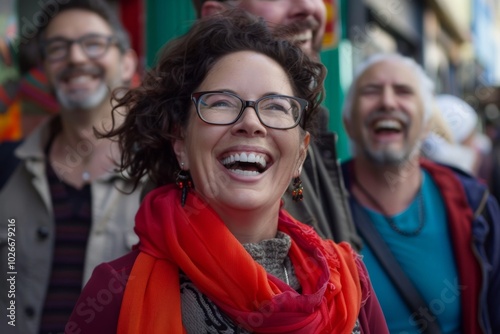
222, 125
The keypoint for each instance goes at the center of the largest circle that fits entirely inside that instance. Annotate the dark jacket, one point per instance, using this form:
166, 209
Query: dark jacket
325, 205
495, 170
8, 160
469, 207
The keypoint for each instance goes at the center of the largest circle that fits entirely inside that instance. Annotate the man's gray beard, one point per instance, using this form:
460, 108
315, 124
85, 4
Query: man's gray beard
390, 157
86, 103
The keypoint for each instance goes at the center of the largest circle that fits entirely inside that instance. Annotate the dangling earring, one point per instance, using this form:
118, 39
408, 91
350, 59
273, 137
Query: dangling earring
184, 182
297, 190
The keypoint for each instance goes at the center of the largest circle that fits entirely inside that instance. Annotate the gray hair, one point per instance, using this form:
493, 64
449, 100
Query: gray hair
425, 84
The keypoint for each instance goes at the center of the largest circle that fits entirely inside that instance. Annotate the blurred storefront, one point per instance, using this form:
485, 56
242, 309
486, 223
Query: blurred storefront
385, 26
428, 31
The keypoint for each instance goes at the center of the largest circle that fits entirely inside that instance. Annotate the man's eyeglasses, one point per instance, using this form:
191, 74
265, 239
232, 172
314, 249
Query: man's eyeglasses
93, 45
274, 111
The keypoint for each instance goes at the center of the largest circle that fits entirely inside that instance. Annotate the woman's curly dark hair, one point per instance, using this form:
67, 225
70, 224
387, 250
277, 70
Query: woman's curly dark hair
158, 109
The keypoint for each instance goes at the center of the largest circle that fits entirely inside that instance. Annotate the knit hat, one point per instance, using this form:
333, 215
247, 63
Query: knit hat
459, 115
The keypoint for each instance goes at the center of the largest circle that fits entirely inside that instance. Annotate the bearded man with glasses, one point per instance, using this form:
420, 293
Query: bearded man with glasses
67, 208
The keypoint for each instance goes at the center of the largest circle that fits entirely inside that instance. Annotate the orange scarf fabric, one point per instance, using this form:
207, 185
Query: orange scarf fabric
194, 239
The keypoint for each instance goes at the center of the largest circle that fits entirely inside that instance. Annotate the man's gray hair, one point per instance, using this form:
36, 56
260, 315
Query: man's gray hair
426, 86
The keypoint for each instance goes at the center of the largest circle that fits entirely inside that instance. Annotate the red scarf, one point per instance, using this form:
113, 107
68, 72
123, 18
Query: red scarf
194, 239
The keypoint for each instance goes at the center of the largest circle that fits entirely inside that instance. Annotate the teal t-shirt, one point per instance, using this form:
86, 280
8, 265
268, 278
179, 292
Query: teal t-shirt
427, 259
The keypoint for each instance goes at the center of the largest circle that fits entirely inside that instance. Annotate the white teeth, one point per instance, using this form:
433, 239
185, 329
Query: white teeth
80, 79
244, 157
262, 162
244, 172
388, 124
303, 36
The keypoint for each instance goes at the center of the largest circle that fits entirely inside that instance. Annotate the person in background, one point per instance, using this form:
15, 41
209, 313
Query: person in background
465, 151
325, 207
221, 125
440, 225
65, 207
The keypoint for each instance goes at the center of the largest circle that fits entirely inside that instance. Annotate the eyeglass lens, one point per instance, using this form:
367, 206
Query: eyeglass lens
92, 45
275, 111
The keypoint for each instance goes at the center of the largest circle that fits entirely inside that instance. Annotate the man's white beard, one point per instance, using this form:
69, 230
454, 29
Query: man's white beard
87, 102
387, 156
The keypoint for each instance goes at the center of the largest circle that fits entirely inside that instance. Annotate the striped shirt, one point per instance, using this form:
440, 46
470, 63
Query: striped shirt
72, 215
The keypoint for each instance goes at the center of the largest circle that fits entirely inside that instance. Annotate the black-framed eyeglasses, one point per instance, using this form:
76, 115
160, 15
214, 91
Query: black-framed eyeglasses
93, 45
224, 108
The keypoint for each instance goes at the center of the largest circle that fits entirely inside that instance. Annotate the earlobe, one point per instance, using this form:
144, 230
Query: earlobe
212, 7
303, 153
179, 147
